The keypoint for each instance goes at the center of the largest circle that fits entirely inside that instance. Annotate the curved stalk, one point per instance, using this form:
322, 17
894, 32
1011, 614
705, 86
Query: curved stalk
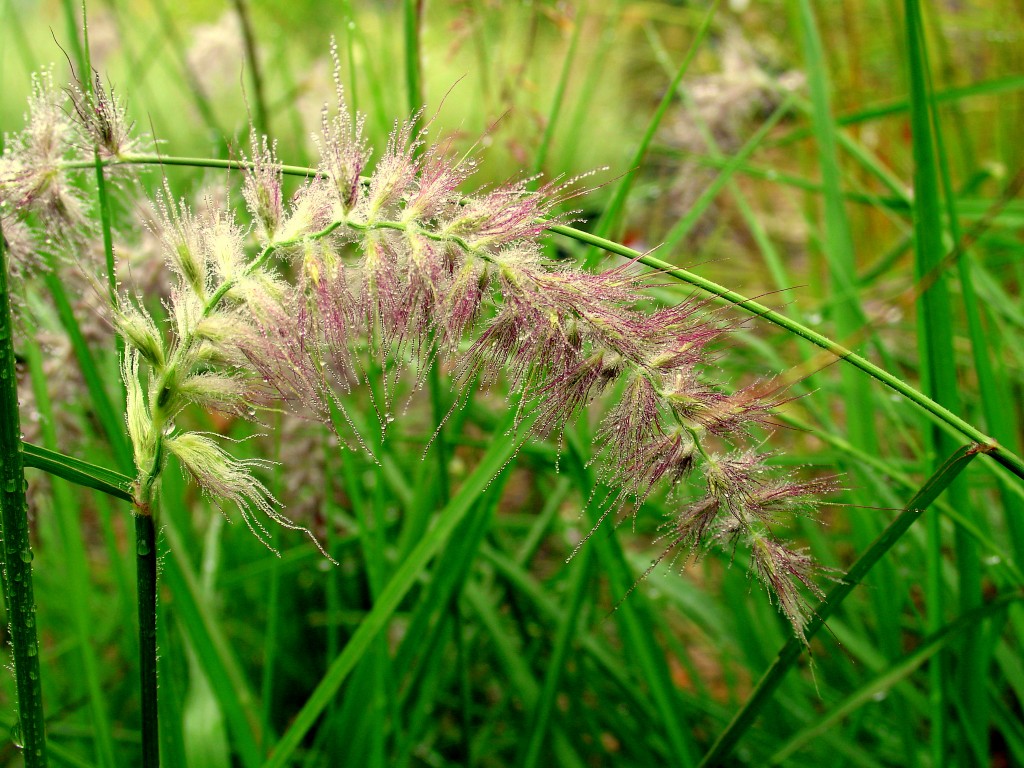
1002, 454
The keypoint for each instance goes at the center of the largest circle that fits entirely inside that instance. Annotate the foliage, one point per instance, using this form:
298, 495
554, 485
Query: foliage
374, 293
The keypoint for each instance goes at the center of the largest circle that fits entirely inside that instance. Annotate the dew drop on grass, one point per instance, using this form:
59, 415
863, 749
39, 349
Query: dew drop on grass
16, 738
26, 555
142, 548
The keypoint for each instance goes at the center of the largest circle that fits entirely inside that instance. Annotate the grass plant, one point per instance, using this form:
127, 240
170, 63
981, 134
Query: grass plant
491, 380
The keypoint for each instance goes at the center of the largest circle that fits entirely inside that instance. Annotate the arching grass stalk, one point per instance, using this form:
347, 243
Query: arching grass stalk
17, 549
1000, 453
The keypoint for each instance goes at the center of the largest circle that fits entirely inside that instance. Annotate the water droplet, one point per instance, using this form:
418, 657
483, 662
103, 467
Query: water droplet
142, 548
32, 650
9, 486
26, 555
16, 737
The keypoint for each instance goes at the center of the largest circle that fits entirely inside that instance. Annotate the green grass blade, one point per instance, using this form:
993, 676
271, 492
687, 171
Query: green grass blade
632, 616
261, 118
974, 654
837, 237
75, 560
112, 425
889, 677
935, 328
437, 611
701, 204
607, 225
520, 677
188, 78
10, 23
500, 453
837, 246
78, 472
992, 87
569, 625
793, 648
413, 31
541, 156
17, 547
211, 646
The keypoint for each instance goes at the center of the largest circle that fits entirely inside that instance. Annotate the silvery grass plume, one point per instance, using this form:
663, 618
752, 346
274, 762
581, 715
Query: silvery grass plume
37, 195
403, 264
393, 266
64, 129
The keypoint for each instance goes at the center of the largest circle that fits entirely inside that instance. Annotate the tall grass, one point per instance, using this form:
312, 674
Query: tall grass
459, 627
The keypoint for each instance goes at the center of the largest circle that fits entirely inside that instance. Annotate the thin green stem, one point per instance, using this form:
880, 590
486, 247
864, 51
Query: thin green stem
1000, 453
75, 558
145, 537
17, 548
262, 117
145, 564
559, 97
413, 27
606, 225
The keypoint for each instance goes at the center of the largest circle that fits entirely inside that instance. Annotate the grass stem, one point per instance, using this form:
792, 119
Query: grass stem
145, 564
17, 549
999, 452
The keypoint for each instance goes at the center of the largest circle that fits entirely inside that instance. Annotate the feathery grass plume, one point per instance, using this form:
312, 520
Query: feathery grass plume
196, 360
42, 203
408, 266
103, 119
33, 180
404, 268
